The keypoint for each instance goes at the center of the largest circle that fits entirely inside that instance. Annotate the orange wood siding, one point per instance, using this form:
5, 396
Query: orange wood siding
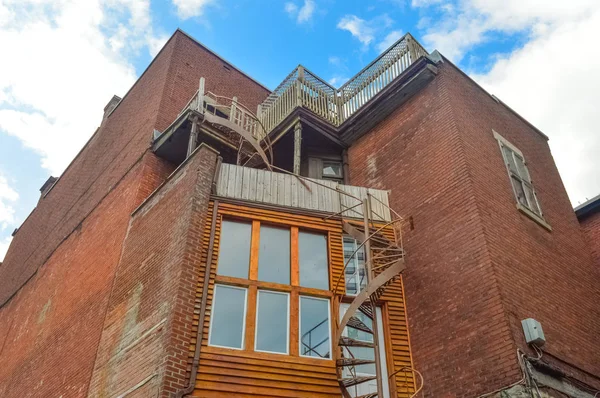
245, 373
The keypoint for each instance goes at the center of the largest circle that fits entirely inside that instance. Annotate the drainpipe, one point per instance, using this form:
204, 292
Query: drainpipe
196, 362
345, 166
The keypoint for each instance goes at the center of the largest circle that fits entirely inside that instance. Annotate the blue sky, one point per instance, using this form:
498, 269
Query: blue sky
68, 57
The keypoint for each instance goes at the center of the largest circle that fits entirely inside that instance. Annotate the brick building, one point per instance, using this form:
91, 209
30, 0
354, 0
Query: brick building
197, 247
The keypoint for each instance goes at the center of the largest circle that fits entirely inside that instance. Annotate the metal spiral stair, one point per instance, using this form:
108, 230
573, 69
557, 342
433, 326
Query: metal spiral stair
235, 122
384, 263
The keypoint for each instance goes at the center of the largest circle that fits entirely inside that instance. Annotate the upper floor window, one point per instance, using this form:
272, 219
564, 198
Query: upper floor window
272, 279
333, 170
326, 169
519, 177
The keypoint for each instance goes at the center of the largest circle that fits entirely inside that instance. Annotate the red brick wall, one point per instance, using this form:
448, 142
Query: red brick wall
591, 230
544, 275
152, 103
50, 330
476, 266
147, 330
74, 237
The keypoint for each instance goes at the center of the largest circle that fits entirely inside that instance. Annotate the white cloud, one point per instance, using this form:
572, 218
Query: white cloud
303, 14
365, 30
291, 9
4, 243
389, 39
8, 197
466, 23
191, 8
553, 79
359, 28
335, 61
78, 54
338, 80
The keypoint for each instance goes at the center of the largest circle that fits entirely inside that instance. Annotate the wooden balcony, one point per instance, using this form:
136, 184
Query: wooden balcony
302, 88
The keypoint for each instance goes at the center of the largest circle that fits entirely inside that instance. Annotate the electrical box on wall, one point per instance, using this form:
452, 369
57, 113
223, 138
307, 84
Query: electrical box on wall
533, 332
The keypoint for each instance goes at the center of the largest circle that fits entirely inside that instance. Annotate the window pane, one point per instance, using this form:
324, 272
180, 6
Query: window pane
355, 270
234, 250
533, 206
314, 270
314, 327
521, 169
272, 322
332, 169
274, 255
508, 158
519, 190
351, 285
227, 320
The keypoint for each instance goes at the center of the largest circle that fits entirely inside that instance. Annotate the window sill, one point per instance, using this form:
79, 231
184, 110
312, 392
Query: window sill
534, 217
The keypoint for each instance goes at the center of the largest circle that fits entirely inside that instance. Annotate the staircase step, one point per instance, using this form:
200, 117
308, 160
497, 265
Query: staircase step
369, 395
353, 362
356, 380
366, 309
349, 342
356, 323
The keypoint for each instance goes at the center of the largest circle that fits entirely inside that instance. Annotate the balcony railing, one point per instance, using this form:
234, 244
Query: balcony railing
302, 88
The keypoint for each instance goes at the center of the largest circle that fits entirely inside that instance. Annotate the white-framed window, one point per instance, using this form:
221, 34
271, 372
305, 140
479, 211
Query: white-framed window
272, 322
366, 353
315, 327
355, 274
519, 177
270, 277
228, 317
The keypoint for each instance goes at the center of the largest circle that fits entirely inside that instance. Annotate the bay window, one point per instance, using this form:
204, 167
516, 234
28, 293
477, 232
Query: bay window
271, 289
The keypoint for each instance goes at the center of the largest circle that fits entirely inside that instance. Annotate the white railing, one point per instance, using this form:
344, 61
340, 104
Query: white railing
302, 88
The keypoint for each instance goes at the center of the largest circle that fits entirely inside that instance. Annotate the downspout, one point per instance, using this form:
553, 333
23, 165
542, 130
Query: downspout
345, 167
196, 362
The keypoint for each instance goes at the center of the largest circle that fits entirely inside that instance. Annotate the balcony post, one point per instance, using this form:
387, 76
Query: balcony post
297, 146
299, 82
193, 140
233, 111
200, 105
411, 48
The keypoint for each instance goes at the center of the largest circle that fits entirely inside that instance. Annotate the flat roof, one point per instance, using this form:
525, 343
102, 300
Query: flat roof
588, 207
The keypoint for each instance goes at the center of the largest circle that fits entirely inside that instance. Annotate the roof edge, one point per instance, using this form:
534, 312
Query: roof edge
588, 207
220, 57
496, 99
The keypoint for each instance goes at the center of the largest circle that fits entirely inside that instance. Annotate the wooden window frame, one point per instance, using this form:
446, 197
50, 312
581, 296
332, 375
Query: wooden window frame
328, 320
294, 290
524, 180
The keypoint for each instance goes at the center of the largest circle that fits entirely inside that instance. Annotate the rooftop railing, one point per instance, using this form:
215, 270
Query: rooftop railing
302, 88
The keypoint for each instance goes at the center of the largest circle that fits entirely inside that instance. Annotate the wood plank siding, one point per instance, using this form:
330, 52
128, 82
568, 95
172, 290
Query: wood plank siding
246, 373
286, 190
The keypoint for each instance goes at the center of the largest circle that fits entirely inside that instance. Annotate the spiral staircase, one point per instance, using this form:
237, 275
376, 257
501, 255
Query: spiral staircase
384, 262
